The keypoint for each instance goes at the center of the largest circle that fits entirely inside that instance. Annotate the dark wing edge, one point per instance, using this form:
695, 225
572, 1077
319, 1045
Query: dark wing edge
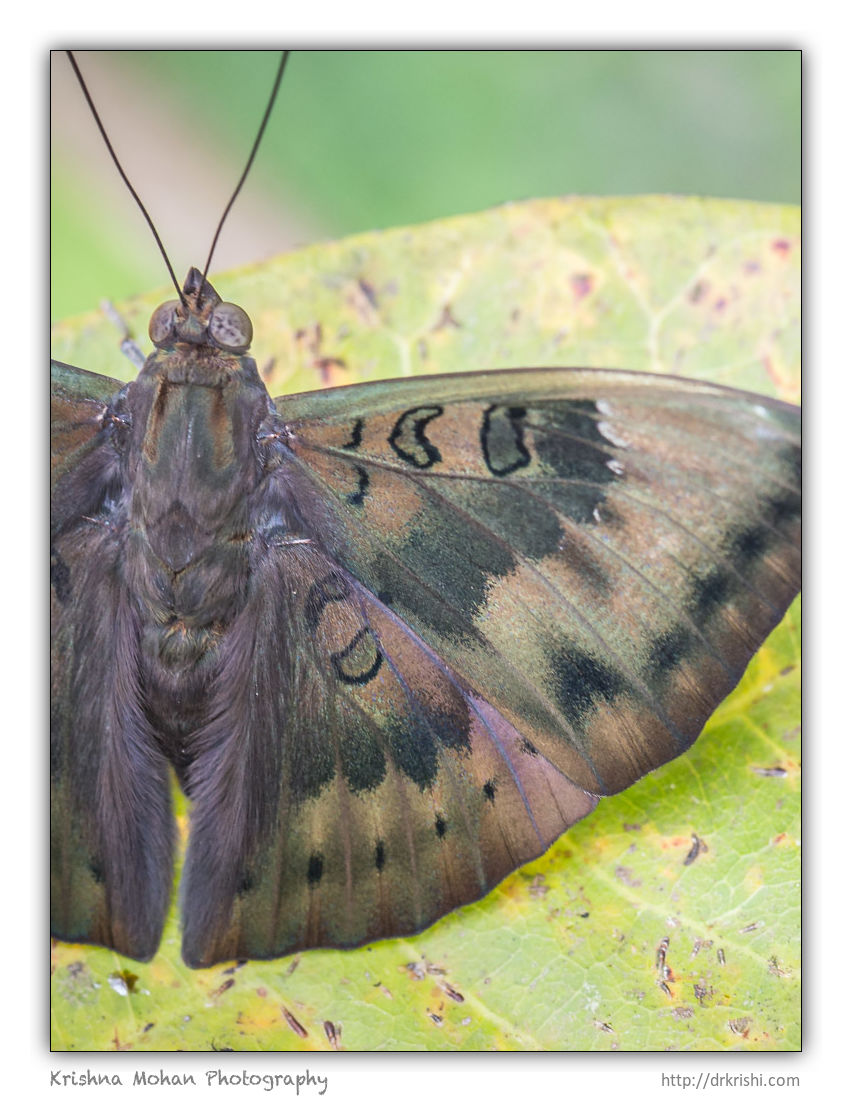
111, 828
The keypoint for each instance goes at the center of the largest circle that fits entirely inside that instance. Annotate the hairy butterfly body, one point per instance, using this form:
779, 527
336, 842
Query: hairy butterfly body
393, 638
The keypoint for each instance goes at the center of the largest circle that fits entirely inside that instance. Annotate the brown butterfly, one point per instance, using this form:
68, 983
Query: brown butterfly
393, 638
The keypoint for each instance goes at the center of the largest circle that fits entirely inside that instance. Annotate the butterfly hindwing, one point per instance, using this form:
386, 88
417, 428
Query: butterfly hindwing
391, 793
111, 821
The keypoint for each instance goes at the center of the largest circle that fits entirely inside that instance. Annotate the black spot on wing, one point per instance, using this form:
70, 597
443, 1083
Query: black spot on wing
447, 565
581, 683
709, 593
357, 433
577, 417
409, 440
357, 496
416, 741
60, 578
333, 587
361, 756
570, 446
508, 509
414, 749
501, 438
310, 759
452, 726
404, 591
669, 650
575, 459
533, 528
749, 544
580, 503
459, 561
784, 507
791, 458
315, 869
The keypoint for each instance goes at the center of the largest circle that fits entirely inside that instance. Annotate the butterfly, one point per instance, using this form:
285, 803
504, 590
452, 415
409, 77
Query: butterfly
393, 638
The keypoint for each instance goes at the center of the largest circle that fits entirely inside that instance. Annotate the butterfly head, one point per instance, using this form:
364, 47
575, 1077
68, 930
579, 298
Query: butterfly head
201, 318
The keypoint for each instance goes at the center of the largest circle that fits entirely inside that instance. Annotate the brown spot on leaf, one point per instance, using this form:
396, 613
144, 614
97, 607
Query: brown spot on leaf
332, 1032
118, 1045
776, 969
698, 291
326, 365
294, 1023
538, 887
369, 292
446, 320
626, 876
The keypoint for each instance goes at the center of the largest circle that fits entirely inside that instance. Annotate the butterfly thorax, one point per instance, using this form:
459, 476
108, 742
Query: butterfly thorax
194, 470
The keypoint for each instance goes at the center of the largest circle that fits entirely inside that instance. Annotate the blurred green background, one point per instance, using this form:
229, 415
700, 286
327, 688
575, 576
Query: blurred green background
365, 140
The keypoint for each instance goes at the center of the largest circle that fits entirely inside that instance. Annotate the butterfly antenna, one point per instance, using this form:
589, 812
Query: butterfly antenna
285, 54
123, 174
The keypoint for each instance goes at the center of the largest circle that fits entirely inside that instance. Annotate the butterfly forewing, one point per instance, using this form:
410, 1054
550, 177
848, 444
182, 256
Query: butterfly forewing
597, 553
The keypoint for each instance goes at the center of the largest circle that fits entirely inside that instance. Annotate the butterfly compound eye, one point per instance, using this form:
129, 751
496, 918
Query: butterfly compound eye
161, 327
230, 327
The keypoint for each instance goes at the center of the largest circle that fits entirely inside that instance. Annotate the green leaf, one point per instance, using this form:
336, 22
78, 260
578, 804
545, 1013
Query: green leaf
570, 951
